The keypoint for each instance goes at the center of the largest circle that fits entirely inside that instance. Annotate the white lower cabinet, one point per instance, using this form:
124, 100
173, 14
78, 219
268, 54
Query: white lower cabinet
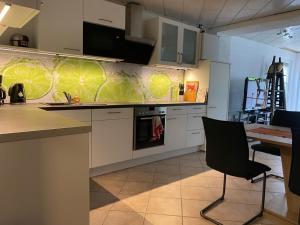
175, 132
195, 138
112, 139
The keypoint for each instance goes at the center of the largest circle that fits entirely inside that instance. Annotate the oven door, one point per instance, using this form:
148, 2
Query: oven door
143, 133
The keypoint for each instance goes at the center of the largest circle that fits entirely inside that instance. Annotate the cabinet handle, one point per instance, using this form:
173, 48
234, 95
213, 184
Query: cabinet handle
196, 133
105, 20
197, 116
211, 107
197, 108
176, 109
171, 118
113, 112
72, 49
181, 57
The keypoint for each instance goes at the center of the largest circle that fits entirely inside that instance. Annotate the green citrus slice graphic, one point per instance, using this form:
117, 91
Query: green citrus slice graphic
159, 85
36, 78
120, 90
78, 77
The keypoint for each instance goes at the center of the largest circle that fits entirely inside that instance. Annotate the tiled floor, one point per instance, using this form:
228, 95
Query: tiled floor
172, 192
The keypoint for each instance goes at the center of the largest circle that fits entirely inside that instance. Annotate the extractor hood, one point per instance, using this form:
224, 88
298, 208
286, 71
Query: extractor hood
16, 16
137, 49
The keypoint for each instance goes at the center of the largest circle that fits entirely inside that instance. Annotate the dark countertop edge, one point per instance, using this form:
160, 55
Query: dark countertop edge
30, 135
72, 107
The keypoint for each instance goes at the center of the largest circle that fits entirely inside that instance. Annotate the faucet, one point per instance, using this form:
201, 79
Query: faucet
68, 97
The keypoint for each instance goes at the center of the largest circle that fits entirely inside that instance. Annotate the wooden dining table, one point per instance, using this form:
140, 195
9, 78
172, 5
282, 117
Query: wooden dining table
281, 137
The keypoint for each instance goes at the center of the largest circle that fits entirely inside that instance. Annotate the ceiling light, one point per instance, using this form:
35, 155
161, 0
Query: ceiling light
4, 11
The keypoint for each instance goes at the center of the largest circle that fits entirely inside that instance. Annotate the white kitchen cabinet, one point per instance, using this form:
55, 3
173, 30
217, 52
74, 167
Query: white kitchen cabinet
177, 110
195, 138
60, 26
111, 141
176, 43
82, 115
194, 122
209, 49
175, 137
218, 92
105, 13
112, 136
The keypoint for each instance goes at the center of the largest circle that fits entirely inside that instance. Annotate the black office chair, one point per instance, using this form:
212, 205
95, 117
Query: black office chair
281, 118
294, 182
227, 151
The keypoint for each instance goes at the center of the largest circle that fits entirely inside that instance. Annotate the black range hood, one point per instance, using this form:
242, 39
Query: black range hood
126, 45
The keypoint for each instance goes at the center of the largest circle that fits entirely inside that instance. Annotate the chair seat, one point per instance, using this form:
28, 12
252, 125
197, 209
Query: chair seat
266, 149
255, 169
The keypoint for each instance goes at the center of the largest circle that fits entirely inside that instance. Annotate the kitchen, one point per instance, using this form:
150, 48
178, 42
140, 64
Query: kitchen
102, 106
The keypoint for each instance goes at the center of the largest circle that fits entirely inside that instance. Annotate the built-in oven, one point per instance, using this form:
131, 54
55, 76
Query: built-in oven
146, 121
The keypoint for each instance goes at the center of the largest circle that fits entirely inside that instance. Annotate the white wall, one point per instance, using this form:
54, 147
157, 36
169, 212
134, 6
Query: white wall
249, 58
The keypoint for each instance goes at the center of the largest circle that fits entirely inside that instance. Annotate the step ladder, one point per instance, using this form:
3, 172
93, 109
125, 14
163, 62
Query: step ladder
276, 93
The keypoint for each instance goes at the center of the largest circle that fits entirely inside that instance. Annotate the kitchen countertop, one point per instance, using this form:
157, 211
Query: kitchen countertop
31, 121
114, 105
24, 122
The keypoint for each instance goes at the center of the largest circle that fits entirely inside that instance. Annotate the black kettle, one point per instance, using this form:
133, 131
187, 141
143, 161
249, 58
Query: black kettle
2, 92
17, 93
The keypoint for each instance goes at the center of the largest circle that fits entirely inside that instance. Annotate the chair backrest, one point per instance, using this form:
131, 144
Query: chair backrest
294, 182
226, 147
285, 118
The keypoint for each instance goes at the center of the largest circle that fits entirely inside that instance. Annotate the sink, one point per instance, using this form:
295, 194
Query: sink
57, 103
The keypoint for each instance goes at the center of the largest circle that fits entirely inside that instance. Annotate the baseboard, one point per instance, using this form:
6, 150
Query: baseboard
140, 161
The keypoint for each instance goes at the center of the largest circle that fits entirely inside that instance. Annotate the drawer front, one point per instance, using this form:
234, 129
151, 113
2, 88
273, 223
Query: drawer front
195, 138
197, 109
112, 114
194, 122
105, 13
176, 110
83, 115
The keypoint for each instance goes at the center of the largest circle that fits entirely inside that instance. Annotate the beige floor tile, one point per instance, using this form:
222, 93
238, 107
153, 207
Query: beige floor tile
104, 185
242, 196
275, 185
200, 193
187, 171
192, 208
202, 181
153, 219
168, 169
234, 211
164, 206
196, 163
136, 188
169, 190
135, 203
160, 178
140, 177
102, 201
124, 218
147, 168
119, 175
97, 216
170, 162
195, 221
243, 184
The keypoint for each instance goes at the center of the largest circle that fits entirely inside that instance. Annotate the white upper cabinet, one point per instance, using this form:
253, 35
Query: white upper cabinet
60, 26
176, 43
209, 47
104, 13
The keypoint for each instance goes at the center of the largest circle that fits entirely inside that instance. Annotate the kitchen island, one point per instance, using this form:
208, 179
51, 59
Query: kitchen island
43, 168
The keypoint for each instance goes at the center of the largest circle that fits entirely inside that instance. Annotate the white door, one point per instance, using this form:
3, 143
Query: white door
218, 93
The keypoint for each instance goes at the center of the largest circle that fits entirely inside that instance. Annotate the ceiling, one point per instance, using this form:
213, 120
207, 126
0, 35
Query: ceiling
286, 38
214, 13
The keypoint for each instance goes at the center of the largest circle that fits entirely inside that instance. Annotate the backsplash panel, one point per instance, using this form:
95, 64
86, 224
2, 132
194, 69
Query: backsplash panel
45, 78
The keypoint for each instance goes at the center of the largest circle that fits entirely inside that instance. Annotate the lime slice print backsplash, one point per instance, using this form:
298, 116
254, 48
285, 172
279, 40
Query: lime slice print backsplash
46, 78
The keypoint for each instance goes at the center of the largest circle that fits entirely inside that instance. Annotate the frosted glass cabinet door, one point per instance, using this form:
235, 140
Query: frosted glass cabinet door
189, 47
169, 43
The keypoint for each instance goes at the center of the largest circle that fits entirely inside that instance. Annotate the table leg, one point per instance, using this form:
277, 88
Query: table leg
293, 201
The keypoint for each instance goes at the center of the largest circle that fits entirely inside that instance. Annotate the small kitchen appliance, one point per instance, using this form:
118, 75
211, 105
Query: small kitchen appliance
17, 93
2, 92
